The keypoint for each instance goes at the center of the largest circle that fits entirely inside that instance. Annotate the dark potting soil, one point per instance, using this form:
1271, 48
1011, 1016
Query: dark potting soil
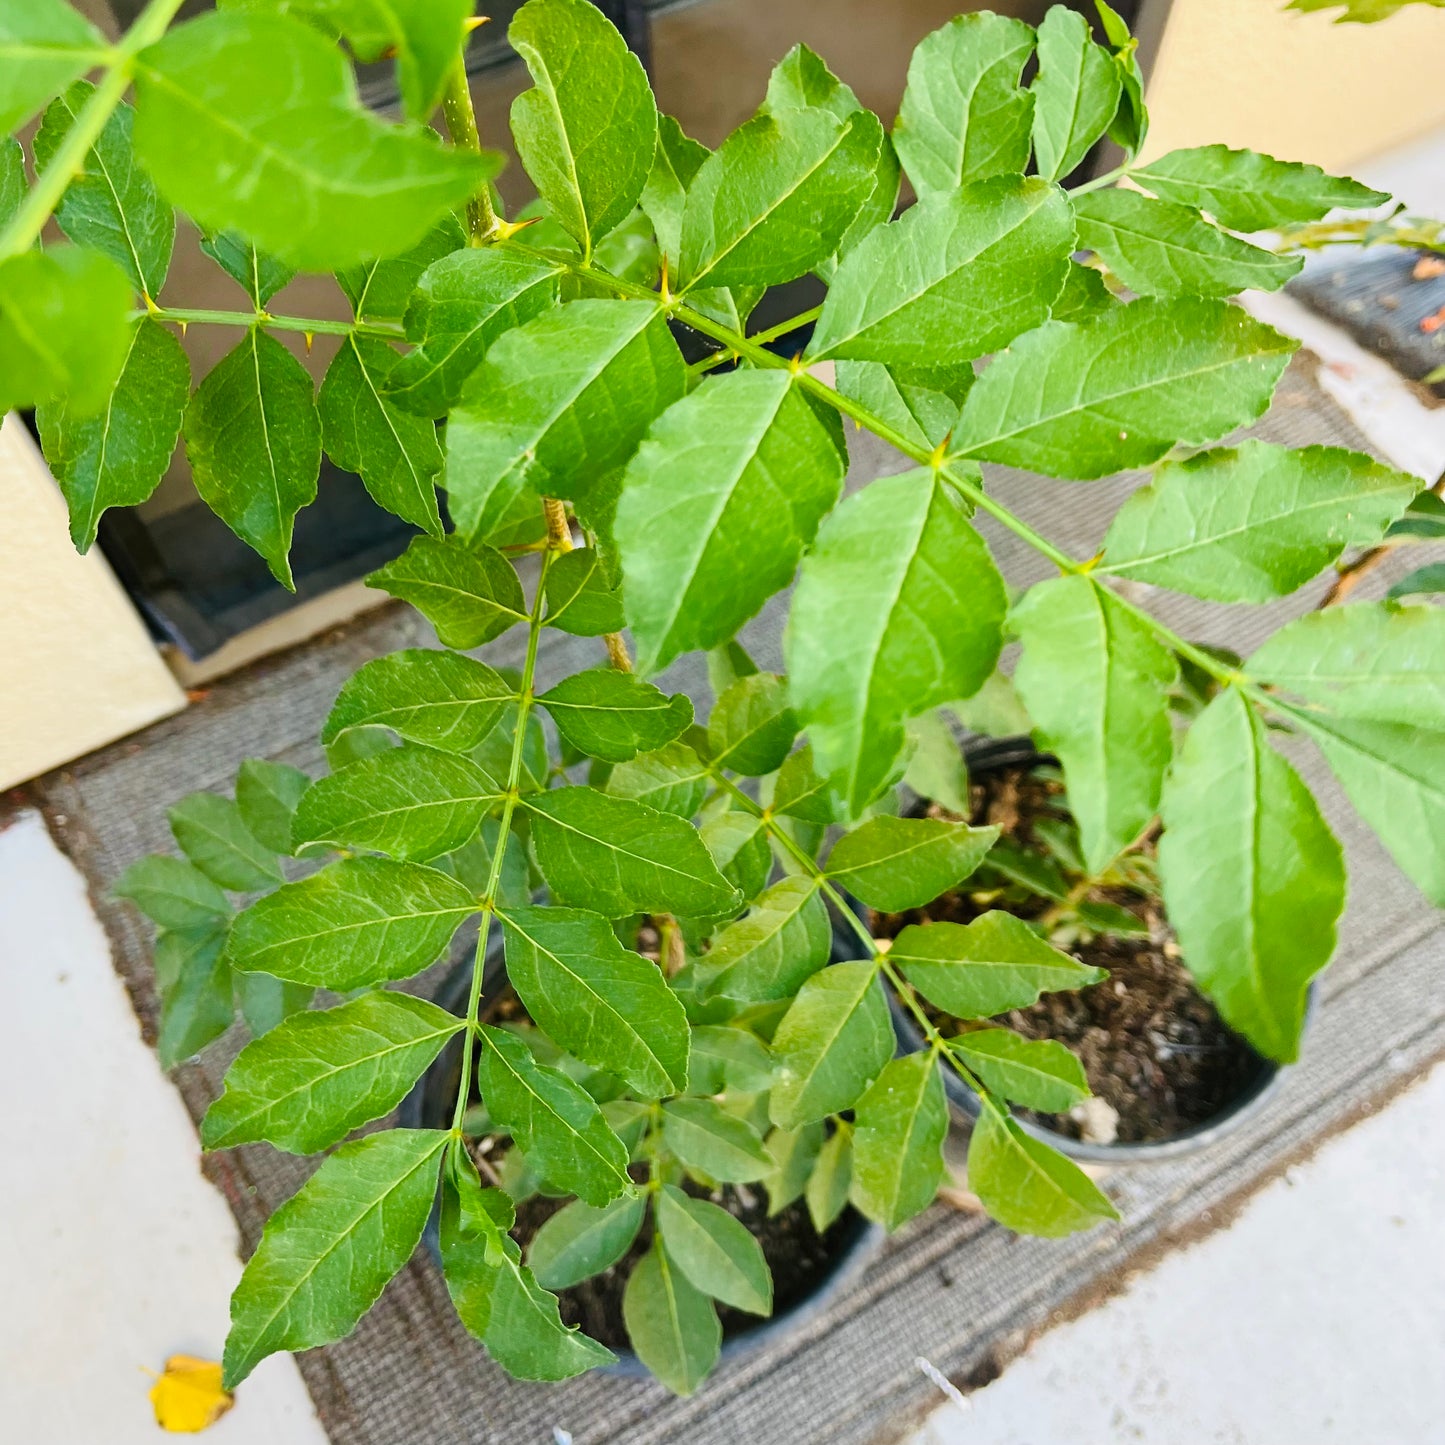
1153, 1047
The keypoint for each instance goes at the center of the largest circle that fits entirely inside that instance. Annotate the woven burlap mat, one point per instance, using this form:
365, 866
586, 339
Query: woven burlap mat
950, 1288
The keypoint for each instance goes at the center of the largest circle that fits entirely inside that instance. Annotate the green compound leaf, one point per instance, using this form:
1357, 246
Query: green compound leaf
173, 894
777, 197
954, 278
460, 305
251, 122
555, 1122
1095, 681
116, 458
579, 1241
832, 1043
395, 453
831, 1179
470, 594
725, 1059
1081, 401
358, 921
64, 329
44, 45
715, 1251
330, 1250
705, 1137
752, 728
267, 794
614, 715
987, 967
253, 437
764, 464
1253, 522
963, 116
771, 952
911, 402
601, 1002
435, 698
899, 1129
673, 1326
899, 608
672, 780
1039, 1074
214, 836
1247, 191
618, 857
1076, 93
579, 599
409, 802
320, 1074
897, 863
557, 405
197, 991
587, 130
261, 277
1368, 660
1029, 1187
1254, 880
111, 204
1158, 248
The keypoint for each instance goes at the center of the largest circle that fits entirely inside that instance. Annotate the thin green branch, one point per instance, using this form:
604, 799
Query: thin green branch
760, 338
1100, 182
40, 202
310, 325
461, 119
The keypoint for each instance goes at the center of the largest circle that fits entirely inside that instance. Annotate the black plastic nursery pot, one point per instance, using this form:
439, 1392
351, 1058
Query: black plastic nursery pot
853, 1240
1259, 1079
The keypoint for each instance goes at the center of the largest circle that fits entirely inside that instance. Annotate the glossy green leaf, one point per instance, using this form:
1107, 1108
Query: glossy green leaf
260, 276
330, 1250
619, 857
1252, 522
899, 1128
381, 290
764, 464
267, 794
800, 792
470, 594
782, 941
253, 437
410, 802
395, 453
111, 204
265, 1001
1096, 681
1130, 125
672, 780
1076, 93
677, 160
358, 921
44, 45
1037, 1073
725, 1059
322, 1073
673, 1326
1423, 581
794, 1152
579, 599
172, 893
601, 1002
906, 400
739, 846
1158, 248
614, 715
897, 863
1085, 294
251, 121
13, 180
556, 1124
752, 728
832, 1043
435, 698
1247, 191
715, 1251
777, 197
214, 836
987, 967
1029, 1187
705, 1137
963, 115
954, 278
1254, 880
117, 457
197, 1002
557, 404
831, 1181
936, 767
899, 608
579, 1241
1083, 400
587, 130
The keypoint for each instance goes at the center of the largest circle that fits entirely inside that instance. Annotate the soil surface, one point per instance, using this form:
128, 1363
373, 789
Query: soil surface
1153, 1047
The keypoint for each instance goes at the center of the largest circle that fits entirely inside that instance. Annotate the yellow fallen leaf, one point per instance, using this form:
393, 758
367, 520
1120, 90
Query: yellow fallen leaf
188, 1397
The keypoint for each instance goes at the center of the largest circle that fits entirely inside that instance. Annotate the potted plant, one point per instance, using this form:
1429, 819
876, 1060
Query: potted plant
697, 491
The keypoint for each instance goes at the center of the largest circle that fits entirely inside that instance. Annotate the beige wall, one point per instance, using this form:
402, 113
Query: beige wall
1297, 86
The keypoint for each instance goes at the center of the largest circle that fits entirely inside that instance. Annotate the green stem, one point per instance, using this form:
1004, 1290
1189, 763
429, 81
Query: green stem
1100, 182
312, 325
29, 220
760, 338
461, 119
504, 828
